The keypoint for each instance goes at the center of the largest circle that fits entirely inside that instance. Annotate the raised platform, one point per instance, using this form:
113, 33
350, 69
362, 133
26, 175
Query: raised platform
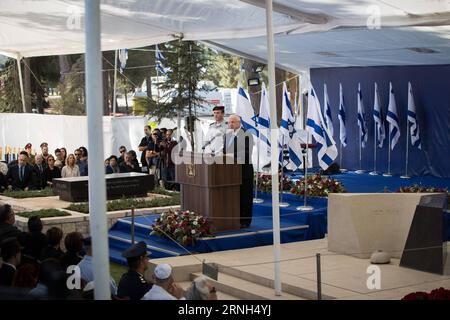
249, 274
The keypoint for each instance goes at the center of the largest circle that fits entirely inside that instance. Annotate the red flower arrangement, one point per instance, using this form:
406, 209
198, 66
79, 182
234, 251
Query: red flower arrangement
185, 227
425, 189
436, 294
317, 186
265, 182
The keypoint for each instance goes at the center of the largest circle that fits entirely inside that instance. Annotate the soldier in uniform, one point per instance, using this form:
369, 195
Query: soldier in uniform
133, 284
217, 129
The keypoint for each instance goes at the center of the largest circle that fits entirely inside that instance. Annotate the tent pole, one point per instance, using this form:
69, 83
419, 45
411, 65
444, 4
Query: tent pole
22, 92
97, 185
115, 83
273, 146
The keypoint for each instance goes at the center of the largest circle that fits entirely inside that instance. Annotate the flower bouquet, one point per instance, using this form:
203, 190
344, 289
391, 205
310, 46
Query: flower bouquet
185, 227
317, 186
436, 294
265, 182
425, 189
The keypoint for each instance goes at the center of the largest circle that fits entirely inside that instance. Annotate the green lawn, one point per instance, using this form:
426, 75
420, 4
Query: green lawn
117, 270
44, 213
20, 194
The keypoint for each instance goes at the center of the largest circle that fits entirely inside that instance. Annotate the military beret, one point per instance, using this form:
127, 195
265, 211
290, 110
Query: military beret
44, 144
136, 250
221, 108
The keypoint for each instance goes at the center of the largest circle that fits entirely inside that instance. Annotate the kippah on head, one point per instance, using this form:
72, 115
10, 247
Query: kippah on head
163, 271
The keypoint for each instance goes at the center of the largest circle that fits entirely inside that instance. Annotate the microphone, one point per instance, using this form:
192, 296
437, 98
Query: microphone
212, 139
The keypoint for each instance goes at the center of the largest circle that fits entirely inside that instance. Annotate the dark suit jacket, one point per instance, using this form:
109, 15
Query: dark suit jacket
241, 147
6, 275
14, 179
38, 178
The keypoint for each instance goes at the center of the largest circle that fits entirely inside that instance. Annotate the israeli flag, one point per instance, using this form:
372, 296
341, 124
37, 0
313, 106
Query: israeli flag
287, 128
158, 61
341, 117
377, 117
327, 110
245, 111
361, 119
392, 118
412, 118
123, 57
315, 124
264, 109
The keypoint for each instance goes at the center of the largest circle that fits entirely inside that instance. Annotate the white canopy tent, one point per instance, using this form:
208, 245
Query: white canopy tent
307, 33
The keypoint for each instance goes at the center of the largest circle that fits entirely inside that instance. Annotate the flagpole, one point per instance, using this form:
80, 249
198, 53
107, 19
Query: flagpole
274, 148
388, 174
407, 151
115, 83
282, 204
305, 207
360, 170
374, 172
256, 199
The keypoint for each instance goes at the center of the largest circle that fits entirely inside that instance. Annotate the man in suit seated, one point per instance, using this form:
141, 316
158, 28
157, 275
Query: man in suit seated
38, 180
239, 144
19, 176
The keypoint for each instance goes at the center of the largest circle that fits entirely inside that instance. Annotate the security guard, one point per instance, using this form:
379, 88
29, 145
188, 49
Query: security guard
216, 131
133, 284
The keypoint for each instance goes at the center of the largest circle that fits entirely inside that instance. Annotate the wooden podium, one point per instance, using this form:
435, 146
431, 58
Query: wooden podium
211, 190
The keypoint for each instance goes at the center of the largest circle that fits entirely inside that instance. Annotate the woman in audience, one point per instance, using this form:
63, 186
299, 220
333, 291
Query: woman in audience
113, 165
33, 241
74, 244
27, 276
201, 289
71, 169
51, 172
53, 249
63, 156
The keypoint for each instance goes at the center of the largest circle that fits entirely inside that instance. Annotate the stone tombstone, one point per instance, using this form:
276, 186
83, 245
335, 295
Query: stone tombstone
75, 189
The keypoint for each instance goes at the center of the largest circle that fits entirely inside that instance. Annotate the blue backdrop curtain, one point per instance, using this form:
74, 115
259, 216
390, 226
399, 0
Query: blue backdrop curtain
431, 89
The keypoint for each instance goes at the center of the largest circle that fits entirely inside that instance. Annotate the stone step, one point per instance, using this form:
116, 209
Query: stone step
270, 283
220, 294
246, 290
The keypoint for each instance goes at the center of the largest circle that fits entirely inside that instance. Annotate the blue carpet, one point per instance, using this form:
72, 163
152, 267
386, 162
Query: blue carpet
295, 226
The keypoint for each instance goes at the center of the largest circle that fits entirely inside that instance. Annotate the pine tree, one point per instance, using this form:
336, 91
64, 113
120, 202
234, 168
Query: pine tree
186, 64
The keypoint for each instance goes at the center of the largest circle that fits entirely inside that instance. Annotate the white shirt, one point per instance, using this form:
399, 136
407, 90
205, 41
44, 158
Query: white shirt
87, 273
158, 293
70, 172
214, 137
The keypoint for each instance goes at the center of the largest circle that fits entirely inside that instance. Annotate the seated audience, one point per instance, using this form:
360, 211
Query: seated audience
113, 165
20, 176
63, 156
132, 284
53, 248
74, 244
129, 165
164, 287
51, 172
122, 151
38, 179
7, 220
33, 241
201, 289
10, 252
3, 174
70, 169
44, 151
26, 276
82, 161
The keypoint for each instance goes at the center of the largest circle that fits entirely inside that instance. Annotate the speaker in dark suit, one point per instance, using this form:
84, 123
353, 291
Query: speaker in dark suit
20, 176
239, 143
